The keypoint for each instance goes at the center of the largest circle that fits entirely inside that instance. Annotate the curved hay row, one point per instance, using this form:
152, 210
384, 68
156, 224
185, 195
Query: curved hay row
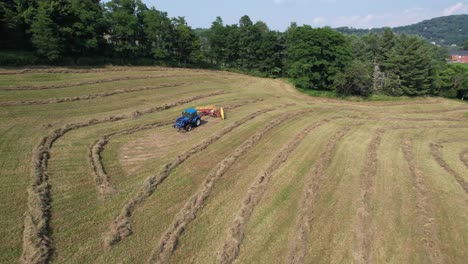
188, 213
121, 227
437, 155
231, 245
363, 232
37, 234
105, 189
425, 211
298, 245
89, 70
91, 96
107, 80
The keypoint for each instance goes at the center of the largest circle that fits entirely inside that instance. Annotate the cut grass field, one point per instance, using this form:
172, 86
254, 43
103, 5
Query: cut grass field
93, 172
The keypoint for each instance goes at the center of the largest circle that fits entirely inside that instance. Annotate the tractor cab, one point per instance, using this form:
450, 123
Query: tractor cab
188, 120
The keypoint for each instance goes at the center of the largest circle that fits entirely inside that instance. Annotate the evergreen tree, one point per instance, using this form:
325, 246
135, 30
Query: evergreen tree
410, 60
385, 45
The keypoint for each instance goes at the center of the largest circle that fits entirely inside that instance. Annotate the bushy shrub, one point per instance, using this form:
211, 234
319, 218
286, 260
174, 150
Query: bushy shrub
17, 58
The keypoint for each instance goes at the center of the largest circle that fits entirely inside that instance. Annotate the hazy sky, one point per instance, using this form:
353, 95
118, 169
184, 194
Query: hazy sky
279, 13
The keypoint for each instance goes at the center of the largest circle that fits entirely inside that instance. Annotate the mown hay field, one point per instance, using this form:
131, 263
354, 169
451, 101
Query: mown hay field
93, 172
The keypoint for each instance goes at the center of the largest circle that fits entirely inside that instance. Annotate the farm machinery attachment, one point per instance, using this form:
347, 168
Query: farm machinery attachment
191, 117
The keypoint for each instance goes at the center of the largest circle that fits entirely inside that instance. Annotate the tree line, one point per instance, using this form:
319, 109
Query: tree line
87, 32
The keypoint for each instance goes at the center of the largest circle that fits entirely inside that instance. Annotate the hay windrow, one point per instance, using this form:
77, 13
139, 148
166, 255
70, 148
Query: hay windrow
188, 213
90, 96
231, 245
107, 80
425, 212
437, 155
121, 227
464, 157
82, 70
37, 241
298, 246
37, 245
363, 232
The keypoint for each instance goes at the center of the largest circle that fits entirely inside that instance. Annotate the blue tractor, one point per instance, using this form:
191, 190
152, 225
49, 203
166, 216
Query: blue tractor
188, 120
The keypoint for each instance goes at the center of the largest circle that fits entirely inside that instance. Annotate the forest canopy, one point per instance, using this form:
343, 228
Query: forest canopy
90, 32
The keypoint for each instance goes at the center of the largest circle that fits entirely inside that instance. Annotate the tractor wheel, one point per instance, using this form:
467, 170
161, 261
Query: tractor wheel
188, 127
198, 122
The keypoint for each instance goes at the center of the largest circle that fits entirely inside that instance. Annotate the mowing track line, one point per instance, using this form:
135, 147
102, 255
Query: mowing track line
437, 155
298, 246
188, 213
425, 212
363, 232
231, 245
37, 241
121, 227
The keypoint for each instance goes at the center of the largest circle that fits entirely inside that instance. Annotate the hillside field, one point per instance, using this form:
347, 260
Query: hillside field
92, 171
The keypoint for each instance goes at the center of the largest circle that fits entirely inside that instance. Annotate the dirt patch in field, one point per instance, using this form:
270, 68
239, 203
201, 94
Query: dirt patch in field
91, 96
363, 230
423, 198
436, 152
121, 227
298, 242
168, 241
154, 146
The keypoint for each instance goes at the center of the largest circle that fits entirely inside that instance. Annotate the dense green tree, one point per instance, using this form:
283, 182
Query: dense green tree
45, 34
218, 39
232, 46
158, 30
185, 42
355, 79
465, 45
454, 81
316, 56
249, 43
85, 29
125, 26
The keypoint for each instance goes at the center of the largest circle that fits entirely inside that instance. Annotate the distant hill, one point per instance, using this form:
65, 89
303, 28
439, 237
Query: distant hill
445, 30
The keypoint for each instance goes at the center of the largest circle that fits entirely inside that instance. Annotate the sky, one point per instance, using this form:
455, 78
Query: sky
278, 14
